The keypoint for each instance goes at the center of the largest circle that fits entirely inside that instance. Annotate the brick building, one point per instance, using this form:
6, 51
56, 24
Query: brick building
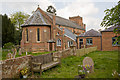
90, 38
108, 39
47, 32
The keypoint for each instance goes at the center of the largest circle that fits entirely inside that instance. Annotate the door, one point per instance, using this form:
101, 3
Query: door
80, 43
50, 46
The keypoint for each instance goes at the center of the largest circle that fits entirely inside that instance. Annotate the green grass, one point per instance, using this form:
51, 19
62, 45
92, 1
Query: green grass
104, 63
4, 53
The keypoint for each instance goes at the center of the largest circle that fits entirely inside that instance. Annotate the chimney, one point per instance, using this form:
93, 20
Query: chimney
77, 19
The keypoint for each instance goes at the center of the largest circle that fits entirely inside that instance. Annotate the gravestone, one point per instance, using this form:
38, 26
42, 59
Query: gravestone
20, 51
9, 56
88, 61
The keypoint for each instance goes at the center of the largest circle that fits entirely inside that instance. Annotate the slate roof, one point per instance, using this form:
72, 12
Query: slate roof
69, 33
110, 29
65, 22
90, 33
38, 19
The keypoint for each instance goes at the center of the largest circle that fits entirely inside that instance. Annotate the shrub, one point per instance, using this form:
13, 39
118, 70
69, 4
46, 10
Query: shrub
8, 45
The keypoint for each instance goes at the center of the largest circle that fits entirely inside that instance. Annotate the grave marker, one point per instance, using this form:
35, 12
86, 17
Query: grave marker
88, 61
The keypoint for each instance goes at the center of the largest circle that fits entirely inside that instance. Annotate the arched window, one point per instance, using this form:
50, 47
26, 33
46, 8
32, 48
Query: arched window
38, 34
26, 34
58, 42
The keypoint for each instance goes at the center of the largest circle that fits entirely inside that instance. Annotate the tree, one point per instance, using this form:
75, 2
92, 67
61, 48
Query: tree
51, 9
18, 19
8, 30
112, 18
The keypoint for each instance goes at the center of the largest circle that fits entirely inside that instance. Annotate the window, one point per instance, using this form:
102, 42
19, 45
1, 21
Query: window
89, 41
26, 34
114, 41
58, 42
38, 34
70, 43
81, 41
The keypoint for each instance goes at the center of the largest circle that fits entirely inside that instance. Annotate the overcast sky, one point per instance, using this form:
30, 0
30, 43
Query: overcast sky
92, 11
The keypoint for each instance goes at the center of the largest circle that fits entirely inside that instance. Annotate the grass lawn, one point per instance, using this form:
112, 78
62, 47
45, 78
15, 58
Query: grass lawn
104, 63
4, 53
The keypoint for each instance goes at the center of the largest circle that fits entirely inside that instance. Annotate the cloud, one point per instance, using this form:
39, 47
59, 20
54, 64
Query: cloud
87, 10
83, 8
26, 6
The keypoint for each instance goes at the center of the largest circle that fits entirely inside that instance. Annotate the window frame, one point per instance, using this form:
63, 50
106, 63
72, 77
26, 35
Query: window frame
38, 35
88, 41
116, 44
59, 42
81, 41
27, 38
70, 43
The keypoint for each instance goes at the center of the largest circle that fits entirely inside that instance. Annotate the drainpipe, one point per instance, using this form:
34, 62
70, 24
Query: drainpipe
101, 41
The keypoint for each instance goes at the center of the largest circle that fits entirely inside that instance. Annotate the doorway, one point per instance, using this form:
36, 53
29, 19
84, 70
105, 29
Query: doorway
50, 46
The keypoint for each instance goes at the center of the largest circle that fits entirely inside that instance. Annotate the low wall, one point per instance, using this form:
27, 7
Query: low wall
11, 67
83, 51
65, 53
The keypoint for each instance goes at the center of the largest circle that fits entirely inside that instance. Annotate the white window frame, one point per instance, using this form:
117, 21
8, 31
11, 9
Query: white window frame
59, 42
89, 43
116, 44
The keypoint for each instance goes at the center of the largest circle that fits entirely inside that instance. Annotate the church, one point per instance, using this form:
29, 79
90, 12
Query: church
44, 31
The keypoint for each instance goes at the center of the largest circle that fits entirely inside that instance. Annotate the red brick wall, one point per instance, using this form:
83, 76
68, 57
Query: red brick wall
64, 40
96, 42
33, 44
107, 41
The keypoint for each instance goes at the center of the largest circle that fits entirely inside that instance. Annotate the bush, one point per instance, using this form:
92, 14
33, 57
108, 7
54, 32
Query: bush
8, 45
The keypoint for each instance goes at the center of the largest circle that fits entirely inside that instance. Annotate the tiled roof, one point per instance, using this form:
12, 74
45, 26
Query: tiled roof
110, 29
38, 19
90, 33
69, 34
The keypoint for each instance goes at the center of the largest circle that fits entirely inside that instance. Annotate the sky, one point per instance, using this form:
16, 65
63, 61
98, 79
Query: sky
92, 11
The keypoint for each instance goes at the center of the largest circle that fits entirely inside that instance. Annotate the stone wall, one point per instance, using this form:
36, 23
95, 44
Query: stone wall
11, 67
